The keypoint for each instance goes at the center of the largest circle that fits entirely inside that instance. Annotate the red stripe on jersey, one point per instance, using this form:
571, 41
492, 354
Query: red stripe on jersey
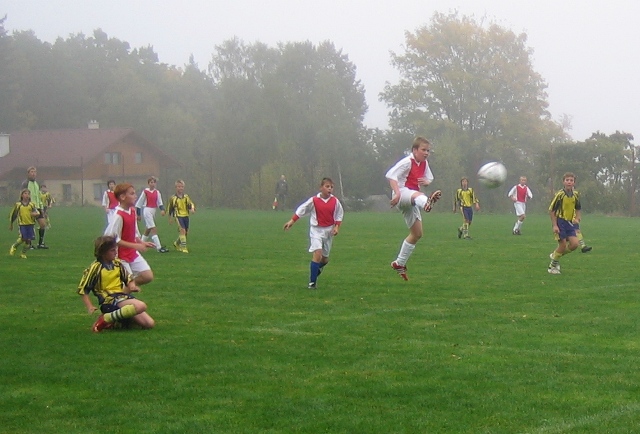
325, 211
152, 198
417, 171
128, 234
521, 193
113, 200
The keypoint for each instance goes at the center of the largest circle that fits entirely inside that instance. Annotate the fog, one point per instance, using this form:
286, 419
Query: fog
587, 52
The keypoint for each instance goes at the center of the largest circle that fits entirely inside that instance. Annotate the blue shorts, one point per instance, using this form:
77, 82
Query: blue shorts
27, 232
567, 229
110, 303
183, 222
467, 212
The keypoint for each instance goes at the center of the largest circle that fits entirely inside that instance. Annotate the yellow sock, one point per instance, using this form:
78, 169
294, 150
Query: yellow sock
557, 255
183, 241
127, 311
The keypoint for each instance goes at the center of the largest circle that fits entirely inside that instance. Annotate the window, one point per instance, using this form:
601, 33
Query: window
138, 158
66, 192
98, 191
112, 158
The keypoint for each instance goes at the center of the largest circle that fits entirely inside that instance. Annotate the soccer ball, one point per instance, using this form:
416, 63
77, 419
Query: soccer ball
492, 175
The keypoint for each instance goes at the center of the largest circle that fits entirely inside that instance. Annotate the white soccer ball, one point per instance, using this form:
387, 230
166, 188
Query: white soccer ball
492, 174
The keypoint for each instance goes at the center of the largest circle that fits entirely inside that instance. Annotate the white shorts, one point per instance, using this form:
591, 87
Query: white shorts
320, 238
410, 211
149, 217
137, 266
520, 207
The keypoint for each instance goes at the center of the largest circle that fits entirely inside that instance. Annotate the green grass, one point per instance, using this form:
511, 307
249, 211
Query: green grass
480, 340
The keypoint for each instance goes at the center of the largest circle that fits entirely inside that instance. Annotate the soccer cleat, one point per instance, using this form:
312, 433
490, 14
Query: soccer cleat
100, 325
23, 256
517, 232
435, 196
163, 250
401, 269
12, 250
311, 285
32, 247
184, 250
459, 233
553, 270
586, 249
42, 246
176, 245
557, 266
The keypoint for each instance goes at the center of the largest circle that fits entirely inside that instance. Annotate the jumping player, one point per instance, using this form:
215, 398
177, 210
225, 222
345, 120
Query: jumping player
405, 178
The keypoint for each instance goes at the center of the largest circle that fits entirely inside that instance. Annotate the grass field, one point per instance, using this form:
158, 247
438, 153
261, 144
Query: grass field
480, 340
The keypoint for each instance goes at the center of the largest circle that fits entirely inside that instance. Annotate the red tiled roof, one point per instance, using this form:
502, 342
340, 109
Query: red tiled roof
60, 148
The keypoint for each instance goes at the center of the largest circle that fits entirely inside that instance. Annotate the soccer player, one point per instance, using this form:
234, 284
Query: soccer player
47, 202
180, 206
466, 199
112, 285
34, 189
564, 210
148, 202
325, 217
25, 212
405, 178
109, 200
519, 194
124, 228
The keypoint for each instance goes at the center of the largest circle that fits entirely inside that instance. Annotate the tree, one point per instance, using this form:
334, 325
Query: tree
471, 87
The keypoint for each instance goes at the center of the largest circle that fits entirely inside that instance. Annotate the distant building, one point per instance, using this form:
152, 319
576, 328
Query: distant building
75, 164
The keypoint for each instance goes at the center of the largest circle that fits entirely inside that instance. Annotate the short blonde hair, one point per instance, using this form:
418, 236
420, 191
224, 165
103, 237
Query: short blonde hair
180, 182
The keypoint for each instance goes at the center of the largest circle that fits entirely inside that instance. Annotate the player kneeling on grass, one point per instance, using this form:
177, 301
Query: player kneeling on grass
326, 215
112, 284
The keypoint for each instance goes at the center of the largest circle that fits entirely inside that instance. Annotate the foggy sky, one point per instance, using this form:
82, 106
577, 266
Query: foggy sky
588, 51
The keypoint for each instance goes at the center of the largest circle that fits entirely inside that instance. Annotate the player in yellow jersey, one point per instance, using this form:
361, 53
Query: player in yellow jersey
112, 285
47, 202
180, 206
564, 210
466, 199
25, 212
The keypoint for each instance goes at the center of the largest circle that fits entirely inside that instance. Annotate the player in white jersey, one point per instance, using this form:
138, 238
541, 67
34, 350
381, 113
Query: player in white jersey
519, 194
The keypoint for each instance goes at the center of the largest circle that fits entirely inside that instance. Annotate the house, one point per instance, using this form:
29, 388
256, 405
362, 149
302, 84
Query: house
75, 164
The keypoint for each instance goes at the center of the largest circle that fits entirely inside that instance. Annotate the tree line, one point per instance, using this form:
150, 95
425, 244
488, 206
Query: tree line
258, 111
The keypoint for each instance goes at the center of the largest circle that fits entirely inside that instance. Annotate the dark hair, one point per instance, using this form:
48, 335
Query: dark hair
102, 245
324, 180
110, 181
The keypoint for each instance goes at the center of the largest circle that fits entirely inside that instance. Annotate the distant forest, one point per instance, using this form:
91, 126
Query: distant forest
256, 112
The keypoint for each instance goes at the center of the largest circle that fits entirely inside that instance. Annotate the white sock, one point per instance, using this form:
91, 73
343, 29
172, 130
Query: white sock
144, 238
421, 200
156, 241
405, 252
518, 224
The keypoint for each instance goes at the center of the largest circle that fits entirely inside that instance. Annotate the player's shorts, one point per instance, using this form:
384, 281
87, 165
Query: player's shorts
136, 267
149, 217
27, 232
567, 229
183, 222
320, 238
520, 207
467, 213
410, 211
110, 303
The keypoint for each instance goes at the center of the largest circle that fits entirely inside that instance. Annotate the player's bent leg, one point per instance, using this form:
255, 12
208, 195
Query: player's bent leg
144, 277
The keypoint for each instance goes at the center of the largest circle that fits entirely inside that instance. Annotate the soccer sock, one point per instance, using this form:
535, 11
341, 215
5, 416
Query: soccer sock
183, 241
156, 241
518, 225
144, 238
465, 229
421, 200
314, 267
405, 252
26, 247
554, 259
41, 236
127, 311
581, 239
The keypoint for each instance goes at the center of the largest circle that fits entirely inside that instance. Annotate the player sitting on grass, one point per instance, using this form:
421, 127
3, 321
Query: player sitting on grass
112, 284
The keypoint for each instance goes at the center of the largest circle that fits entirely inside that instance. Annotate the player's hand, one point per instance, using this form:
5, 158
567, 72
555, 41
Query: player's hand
11, 228
423, 181
394, 200
162, 213
91, 309
139, 218
170, 220
288, 225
